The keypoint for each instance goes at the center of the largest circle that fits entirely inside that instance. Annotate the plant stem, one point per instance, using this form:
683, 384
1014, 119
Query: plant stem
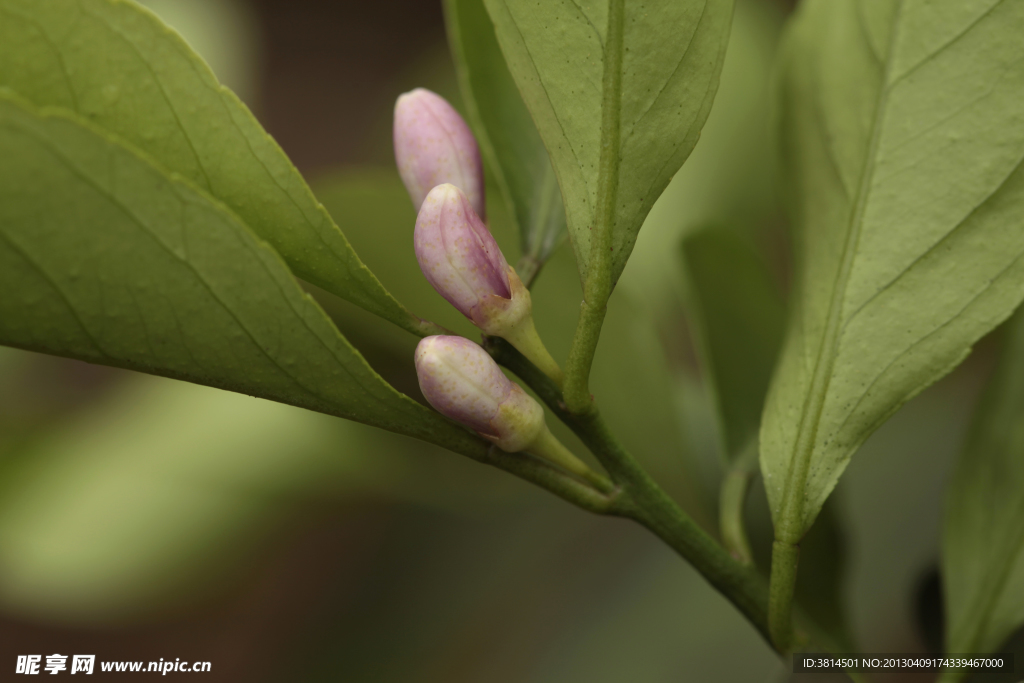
643, 501
598, 284
550, 448
598, 498
425, 328
785, 558
639, 498
525, 338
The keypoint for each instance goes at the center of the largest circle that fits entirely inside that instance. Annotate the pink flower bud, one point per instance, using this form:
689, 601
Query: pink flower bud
462, 261
433, 145
461, 381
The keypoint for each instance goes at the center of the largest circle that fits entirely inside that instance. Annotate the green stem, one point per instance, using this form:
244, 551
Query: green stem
550, 448
785, 558
639, 498
597, 287
425, 328
525, 338
598, 499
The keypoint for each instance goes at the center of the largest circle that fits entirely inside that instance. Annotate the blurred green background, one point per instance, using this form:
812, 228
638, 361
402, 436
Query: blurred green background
143, 518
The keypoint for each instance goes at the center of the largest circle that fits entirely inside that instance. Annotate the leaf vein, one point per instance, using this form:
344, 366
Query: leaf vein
949, 43
53, 283
73, 167
938, 243
675, 69
988, 285
163, 93
600, 40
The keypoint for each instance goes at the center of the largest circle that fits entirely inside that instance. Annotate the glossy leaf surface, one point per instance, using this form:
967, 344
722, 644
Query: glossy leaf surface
902, 140
983, 539
672, 56
106, 258
116, 65
507, 135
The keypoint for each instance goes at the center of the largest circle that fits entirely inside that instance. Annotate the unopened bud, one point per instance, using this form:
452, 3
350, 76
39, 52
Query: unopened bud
464, 383
433, 145
461, 381
461, 260
459, 257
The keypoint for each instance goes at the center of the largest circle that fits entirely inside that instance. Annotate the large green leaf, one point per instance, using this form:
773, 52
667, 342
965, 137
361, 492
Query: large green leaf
106, 258
983, 540
902, 142
507, 135
671, 58
115, 64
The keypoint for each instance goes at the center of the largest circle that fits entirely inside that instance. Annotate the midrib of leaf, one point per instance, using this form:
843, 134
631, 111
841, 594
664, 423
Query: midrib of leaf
611, 134
597, 287
789, 528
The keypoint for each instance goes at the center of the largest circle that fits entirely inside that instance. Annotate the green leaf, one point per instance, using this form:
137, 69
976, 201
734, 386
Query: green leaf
116, 65
737, 315
507, 135
671, 57
106, 258
983, 538
902, 145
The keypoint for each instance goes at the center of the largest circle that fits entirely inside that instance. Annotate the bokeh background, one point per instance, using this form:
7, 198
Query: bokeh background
143, 518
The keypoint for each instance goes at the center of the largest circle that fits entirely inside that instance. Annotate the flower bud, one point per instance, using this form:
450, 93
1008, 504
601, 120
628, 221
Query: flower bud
462, 382
461, 260
433, 145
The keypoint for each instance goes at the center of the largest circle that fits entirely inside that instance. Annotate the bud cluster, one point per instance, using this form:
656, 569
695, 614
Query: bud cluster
439, 161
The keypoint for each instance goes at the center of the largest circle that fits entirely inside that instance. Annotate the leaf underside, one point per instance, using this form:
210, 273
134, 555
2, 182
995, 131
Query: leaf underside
903, 140
107, 258
673, 54
983, 541
507, 135
116, 65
